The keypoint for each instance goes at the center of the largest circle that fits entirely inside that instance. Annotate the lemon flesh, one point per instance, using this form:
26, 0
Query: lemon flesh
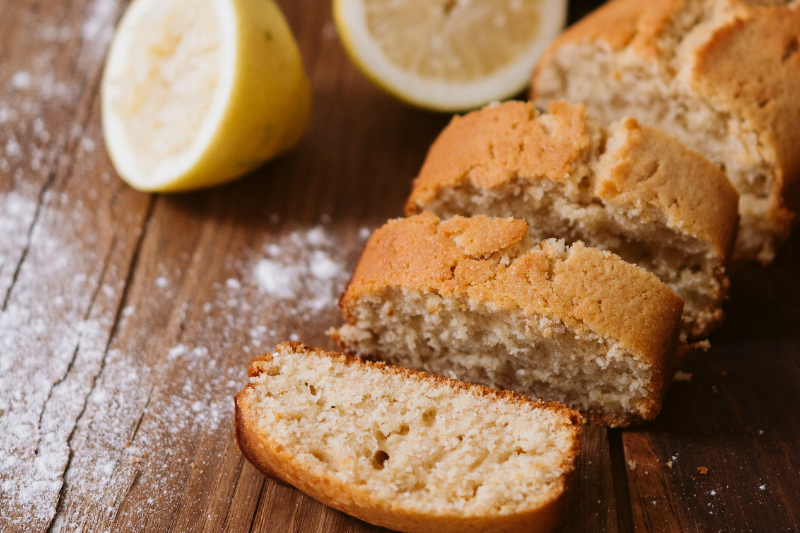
448, 55
199, 92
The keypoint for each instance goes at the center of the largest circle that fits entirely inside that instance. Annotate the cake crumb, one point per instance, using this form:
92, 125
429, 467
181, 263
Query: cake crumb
632, 465
669, 464
703, 470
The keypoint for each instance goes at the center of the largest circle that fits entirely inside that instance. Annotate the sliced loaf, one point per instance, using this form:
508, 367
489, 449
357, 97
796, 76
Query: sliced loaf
407, 450
631, 190
476, 299
723, 76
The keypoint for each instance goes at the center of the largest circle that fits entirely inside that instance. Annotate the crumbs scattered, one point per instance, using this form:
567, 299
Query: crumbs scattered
632, 465
683, 376
670, 463
702, 470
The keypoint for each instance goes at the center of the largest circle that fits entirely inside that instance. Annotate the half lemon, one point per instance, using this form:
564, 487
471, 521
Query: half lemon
198, 92
448, 55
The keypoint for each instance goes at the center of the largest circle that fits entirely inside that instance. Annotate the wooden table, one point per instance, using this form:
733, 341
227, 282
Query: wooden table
128, 319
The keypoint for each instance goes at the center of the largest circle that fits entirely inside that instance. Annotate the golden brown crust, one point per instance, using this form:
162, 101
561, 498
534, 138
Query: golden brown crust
279, 463
496, 144
586, 289
620, 24
657, 170
747, 66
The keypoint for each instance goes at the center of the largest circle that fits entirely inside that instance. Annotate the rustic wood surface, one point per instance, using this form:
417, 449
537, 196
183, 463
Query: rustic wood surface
128, 319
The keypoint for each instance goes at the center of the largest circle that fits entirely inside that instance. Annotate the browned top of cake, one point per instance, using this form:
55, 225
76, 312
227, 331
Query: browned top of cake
491, 261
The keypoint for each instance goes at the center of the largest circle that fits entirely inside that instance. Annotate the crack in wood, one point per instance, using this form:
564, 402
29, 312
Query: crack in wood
61, 150
141, 417
111, 337
619, 476
86, 316
28, 236
55, 384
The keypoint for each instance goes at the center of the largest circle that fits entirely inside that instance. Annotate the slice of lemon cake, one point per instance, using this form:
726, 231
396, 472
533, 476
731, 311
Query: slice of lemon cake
407, 450
476, 299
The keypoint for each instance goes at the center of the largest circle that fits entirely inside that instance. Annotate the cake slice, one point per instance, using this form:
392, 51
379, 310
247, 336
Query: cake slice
722, 76
476, 299
631, 190
407, 450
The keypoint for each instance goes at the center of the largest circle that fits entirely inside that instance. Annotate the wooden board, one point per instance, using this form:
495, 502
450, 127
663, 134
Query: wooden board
128, 319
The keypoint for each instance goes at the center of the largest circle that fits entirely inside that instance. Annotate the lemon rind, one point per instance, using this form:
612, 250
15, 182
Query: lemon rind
436, 94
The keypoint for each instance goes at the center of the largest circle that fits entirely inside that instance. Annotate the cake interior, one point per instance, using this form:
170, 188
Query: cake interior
429, 446
537, 356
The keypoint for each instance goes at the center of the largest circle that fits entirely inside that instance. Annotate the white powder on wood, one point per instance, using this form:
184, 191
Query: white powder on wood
300, 268
276, 279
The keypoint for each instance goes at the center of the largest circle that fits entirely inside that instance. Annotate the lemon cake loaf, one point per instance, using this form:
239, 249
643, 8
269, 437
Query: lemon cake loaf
631, 190
476, 299
723, 76
407, 450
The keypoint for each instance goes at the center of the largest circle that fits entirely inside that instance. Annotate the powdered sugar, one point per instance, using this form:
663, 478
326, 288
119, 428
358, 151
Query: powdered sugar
276, 279
47, 360
21, 80
16, 215
98, 28
301, 268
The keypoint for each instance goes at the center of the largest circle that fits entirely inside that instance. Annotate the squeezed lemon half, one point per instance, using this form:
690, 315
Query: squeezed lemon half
198, 92
448, 55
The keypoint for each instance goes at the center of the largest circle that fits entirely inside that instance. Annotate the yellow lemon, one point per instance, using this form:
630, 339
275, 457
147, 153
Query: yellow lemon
448, 55
198, 92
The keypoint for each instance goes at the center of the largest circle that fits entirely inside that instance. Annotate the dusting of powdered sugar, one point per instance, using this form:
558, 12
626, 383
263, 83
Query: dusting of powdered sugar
50, 350
98, 28
302, 267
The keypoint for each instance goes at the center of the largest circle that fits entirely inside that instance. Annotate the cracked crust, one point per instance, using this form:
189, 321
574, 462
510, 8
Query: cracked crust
282, 465
743, 61
588, 290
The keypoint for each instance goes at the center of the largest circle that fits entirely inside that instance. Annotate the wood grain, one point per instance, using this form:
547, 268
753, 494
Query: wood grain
736, 417
128, 319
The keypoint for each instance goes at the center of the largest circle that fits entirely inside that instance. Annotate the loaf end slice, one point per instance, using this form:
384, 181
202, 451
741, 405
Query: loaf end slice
476, 299
631, 190
723, 76
407, 450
